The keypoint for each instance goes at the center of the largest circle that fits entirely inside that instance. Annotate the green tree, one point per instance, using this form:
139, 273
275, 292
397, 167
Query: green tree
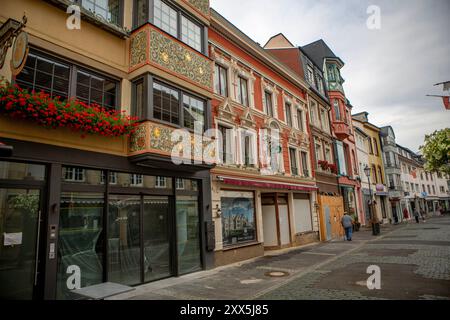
436, 151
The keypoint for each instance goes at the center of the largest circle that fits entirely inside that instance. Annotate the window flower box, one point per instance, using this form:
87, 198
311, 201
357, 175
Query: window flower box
49, 112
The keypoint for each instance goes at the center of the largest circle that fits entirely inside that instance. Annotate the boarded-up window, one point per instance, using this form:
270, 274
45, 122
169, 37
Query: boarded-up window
302, 213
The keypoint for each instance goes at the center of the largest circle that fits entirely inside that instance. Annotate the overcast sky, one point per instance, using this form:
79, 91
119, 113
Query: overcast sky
388, 71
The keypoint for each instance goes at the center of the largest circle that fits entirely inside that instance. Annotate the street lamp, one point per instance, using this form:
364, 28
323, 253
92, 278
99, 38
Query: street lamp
374, 229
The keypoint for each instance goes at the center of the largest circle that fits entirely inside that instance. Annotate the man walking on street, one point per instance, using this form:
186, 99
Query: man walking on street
347, 223
416, 215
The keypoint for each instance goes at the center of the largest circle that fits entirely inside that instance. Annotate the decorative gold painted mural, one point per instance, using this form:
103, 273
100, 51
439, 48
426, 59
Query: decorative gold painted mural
170, 54
201, 5
174, 56
139, 48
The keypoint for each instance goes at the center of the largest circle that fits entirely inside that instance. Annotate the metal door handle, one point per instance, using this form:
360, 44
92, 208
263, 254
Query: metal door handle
37, 249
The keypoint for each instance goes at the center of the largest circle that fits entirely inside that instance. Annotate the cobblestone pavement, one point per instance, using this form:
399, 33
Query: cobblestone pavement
414, 260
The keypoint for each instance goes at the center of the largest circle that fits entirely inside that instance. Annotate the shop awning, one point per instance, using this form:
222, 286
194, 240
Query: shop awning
266, 184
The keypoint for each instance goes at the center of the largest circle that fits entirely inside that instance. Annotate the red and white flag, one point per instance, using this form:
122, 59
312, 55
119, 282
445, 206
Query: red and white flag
446, 102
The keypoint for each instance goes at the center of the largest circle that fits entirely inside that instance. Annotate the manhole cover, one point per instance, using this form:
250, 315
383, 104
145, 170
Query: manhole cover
276, 274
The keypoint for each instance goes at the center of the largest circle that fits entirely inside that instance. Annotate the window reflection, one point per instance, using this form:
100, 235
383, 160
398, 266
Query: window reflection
80, 240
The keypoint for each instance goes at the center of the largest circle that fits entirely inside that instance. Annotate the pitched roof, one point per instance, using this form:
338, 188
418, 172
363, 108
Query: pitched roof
318, 51
278, 41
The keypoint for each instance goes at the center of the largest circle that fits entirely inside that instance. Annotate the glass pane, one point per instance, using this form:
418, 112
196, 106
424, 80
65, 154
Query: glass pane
80, 241
124, 263
156, 238
18, 226
188, 234
141, 12
238, 217
21, 171
128, 180
81, 176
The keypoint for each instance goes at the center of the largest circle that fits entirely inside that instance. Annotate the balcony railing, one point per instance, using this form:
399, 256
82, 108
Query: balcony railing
341, 129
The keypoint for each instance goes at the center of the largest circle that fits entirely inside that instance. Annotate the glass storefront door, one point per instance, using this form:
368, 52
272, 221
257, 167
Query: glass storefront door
188, 234
19, 227
124, 245
80, 249
156, 237
127, 264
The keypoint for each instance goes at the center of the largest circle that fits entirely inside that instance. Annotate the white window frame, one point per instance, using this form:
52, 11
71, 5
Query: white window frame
134, 178
158, 183
231, 147
179, 184
242, 133
73, 173
112, 177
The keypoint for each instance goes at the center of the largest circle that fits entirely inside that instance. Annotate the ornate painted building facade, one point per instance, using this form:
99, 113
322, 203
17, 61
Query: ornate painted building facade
265, 175
90, 208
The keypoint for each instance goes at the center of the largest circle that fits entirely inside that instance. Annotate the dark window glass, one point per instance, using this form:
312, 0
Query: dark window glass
96, 89
166, 103
293, 159
138, 98
45, 74
223, 144
269, 105
337, 110
242, 91
300, 119
141, 11
305, 164
221, 80
288, 114
193, 112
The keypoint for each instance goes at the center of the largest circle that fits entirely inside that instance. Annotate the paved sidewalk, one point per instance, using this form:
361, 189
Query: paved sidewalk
251, 279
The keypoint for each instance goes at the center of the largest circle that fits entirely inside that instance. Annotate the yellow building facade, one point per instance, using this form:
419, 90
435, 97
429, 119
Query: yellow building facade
378, 184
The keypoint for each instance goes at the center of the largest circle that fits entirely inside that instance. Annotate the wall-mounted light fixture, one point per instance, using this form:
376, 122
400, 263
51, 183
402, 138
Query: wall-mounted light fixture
218, 211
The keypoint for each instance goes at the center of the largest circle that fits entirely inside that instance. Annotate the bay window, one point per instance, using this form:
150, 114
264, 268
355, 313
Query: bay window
171, 18
166, 103
155, 100
341, 158
191, 33
337, 110
193, 112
